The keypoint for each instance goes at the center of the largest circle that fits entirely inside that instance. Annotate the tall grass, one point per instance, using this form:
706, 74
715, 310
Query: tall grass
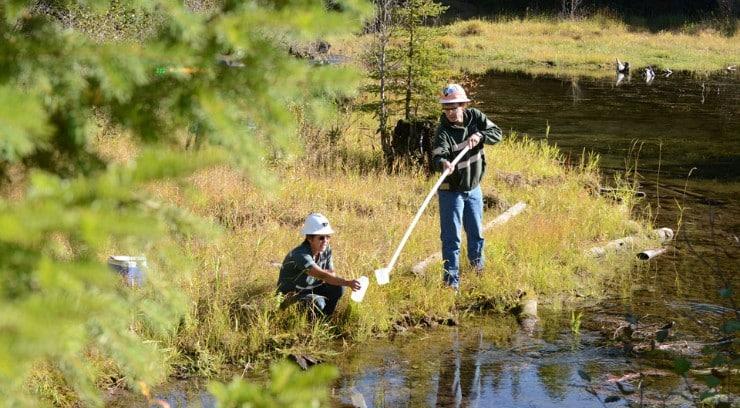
589, 46
236, 316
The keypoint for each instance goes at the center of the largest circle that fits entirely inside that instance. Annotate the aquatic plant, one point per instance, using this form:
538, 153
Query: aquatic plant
575, 323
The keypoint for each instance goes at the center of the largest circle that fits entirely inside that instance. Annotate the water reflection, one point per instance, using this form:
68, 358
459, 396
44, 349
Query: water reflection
475, 366
682, 121
677, 133
484, 364
460, 387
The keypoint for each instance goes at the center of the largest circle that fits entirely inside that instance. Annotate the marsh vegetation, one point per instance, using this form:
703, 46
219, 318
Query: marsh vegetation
211, 176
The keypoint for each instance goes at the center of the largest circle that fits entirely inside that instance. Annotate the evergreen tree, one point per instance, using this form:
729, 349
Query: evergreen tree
149, 69
422, 65
406, 65
376, 59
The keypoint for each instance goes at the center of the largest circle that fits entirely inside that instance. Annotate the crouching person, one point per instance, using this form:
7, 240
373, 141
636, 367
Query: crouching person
307, 273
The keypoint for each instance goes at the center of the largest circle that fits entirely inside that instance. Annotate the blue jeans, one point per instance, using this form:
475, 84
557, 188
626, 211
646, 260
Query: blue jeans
460, 209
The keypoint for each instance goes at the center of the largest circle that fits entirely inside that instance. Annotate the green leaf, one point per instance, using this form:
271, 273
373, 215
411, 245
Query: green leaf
707, 397
661, 335
718, 360
711, 381
13, 10
23, 123
681, 366
730, 326
83, 202
624, 390
630, 318
288, 387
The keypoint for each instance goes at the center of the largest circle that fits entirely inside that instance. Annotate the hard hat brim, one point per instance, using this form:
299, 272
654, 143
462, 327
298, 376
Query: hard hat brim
322, 231
458, 100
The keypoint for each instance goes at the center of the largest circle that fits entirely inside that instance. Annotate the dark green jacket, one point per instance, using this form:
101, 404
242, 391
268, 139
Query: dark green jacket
450, 139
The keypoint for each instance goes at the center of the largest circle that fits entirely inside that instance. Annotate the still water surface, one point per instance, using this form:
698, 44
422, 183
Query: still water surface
680, 135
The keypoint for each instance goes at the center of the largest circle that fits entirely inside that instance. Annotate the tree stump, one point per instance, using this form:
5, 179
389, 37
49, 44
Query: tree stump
412, 144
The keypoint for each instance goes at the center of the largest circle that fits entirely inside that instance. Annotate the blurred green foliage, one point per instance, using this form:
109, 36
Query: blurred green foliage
70, 66
288, 387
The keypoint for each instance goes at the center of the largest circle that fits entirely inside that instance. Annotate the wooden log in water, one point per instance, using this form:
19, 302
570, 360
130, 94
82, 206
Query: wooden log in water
615, 192
527, 308
665, 234
628, 243
526, 312
616, 245
720, 372
650, 253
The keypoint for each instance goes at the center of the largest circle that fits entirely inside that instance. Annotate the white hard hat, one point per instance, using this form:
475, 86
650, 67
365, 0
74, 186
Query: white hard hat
453, 93
316, 224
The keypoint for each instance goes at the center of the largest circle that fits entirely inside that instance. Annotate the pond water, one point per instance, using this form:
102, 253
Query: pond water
681, 133
680, 136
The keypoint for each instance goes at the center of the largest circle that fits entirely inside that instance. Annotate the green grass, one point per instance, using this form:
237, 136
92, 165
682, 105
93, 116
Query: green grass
582, 47
236, 318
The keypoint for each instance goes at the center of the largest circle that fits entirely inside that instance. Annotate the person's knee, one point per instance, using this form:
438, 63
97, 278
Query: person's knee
316, 302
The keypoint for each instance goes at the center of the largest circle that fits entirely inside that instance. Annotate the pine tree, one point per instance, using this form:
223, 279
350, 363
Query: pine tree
406, 65
422, 64
150, 69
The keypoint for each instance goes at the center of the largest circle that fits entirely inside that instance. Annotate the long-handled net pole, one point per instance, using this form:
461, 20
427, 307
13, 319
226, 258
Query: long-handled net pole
423, 206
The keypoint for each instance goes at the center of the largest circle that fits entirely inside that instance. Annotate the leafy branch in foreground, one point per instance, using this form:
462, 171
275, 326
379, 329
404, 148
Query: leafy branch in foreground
66, 206
288, 387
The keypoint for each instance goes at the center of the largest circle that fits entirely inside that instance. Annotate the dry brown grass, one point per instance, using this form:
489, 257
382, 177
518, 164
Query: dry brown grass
582, 47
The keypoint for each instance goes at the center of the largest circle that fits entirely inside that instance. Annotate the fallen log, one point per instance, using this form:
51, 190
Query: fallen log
501, 219
650, 253
612, 246
720, 372
514, 210
622, 244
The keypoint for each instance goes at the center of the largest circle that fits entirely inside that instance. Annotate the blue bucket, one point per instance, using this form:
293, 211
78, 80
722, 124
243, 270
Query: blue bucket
131, 268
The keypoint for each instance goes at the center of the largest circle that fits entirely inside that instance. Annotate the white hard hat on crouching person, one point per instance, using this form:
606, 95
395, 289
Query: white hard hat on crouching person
316, 224
453, 93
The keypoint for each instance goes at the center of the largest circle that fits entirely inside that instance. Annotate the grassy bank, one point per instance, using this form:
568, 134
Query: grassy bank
236, 318
583, 47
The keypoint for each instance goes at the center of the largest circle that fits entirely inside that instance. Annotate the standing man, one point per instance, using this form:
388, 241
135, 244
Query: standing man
460, 196
307, 273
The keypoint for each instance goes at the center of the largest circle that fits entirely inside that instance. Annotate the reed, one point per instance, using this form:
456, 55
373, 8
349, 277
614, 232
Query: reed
236, 320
